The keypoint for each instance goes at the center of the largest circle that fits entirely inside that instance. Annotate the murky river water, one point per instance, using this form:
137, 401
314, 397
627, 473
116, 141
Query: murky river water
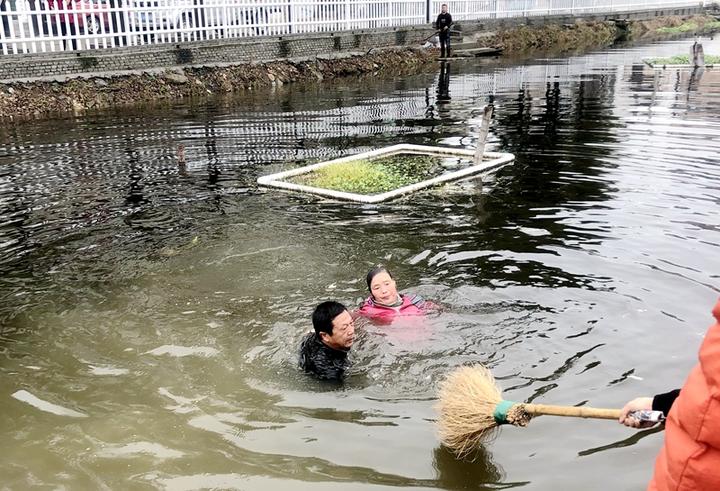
151, 311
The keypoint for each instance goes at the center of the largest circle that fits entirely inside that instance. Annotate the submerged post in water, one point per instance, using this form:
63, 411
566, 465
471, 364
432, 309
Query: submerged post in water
484, 128
697, 56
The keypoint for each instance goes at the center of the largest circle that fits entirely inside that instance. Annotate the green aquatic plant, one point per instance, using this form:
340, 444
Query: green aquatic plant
682, 60
372, 176
420, 166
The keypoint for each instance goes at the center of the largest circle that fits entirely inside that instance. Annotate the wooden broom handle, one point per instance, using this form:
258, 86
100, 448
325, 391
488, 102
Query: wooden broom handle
572, 411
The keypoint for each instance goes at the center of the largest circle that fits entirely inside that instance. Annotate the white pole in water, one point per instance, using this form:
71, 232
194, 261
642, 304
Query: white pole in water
484, 128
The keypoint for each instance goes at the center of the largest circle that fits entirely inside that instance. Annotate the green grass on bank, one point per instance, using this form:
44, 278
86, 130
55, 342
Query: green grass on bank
683, 60
689, 27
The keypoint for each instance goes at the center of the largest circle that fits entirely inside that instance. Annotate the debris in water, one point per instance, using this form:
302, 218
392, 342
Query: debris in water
25, 396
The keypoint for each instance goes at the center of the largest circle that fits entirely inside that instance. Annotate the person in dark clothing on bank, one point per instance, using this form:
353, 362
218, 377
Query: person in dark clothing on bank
324, 353
442, 24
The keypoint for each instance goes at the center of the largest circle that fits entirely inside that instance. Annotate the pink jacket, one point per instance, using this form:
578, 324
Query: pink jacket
411, 305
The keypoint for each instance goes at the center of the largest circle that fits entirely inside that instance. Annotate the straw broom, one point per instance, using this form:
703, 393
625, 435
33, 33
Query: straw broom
472, 409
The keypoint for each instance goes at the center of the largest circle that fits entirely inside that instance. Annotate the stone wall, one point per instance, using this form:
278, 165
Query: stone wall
236, 51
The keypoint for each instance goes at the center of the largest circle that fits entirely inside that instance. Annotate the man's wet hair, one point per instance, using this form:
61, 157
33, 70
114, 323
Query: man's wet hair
324, 314
376, 270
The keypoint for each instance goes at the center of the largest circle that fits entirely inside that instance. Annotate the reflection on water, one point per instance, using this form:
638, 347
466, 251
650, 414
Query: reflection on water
632, 440
477, 472
163, 298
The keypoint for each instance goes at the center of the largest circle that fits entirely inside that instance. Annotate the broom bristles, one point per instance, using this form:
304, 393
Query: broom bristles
467, 401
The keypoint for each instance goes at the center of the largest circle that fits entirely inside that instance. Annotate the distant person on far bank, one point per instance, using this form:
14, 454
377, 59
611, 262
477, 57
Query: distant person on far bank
442, 24
324, 353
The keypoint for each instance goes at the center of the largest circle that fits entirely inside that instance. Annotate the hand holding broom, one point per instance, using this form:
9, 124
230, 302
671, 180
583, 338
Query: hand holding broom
471, 410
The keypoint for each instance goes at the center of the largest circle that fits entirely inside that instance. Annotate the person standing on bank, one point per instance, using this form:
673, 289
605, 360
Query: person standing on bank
442, 24
324, 353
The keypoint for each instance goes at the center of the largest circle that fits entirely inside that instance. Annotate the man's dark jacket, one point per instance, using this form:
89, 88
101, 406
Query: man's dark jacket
443, 23
321, 360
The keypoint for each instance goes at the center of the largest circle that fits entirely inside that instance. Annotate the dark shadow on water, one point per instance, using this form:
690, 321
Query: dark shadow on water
478, 471
443, 85
632, 440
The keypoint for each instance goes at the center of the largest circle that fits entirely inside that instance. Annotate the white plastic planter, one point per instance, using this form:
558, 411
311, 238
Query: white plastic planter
491, 160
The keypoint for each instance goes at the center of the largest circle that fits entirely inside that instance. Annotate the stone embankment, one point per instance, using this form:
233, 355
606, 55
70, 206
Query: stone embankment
49, 98
42, 99
580, 36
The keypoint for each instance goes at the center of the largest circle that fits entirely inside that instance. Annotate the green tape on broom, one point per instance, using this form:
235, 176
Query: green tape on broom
501, 410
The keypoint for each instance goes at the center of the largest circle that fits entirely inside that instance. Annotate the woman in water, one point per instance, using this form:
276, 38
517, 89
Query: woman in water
385, 302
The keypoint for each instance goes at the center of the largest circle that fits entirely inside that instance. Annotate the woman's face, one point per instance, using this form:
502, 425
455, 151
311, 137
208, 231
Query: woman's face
382, 288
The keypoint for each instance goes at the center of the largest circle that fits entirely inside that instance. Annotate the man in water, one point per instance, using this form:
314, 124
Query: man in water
324, 353
442, 24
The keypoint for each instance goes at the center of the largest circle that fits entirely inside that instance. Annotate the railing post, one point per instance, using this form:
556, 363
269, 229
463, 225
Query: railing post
127, 28
290, 16
347, 15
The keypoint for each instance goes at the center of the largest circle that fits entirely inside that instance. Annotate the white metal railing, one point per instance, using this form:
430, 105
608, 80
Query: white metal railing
493, 9
32, 26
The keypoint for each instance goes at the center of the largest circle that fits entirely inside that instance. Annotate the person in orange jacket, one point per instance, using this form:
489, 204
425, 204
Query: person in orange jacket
690, 456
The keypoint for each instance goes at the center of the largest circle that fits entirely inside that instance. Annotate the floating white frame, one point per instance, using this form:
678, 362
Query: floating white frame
491, 160
687, 65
